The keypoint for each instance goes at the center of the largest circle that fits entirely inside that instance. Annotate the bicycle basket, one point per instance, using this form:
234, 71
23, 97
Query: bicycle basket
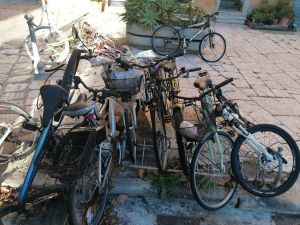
194, 122
75, 155
119, 80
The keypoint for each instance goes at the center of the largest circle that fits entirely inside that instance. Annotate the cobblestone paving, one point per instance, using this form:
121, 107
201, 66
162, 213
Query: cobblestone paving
265, 66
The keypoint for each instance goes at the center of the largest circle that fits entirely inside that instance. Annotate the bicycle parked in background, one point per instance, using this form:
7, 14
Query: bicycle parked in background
166, 40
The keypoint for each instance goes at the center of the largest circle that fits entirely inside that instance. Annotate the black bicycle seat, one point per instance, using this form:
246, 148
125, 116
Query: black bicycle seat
203, 83
79, 107
183, 19
170, 67
53, 98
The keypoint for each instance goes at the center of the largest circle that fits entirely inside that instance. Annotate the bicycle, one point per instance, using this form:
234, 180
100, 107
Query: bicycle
16, 143
212, 181
69, 157
44, 43
265, 158
99, 44
166, 40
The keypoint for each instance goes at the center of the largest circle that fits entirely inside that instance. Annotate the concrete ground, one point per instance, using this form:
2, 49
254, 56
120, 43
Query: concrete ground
265, 66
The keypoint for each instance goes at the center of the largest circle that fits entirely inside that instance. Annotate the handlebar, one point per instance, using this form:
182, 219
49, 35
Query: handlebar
78, 80
218, 86
129, 65
210, 16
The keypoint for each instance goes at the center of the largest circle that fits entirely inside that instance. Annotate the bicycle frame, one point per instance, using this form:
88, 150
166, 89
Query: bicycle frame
37, 157
250, 140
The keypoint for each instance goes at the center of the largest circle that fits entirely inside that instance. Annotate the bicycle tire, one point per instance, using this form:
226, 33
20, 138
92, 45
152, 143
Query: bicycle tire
71, 70
74, 203
159, 136
177, 119
244, 158
207, 49
20, 142
69, 75
31, 198
158, 40
54, 49
130, 136
212, 192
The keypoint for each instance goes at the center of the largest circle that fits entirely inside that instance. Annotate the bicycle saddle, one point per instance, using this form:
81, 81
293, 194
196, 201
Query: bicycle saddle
203, 83
53, 98
79, 107
183, 19
170, 67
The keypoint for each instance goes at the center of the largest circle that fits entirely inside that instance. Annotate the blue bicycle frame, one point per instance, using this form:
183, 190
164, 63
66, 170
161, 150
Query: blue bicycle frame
37, 157
32, 170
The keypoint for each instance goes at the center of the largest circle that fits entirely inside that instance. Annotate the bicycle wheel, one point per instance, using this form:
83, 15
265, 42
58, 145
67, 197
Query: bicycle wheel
69, 75
33, 200
165, 40
15, 142
71, 70
52, 44
212, 186
259, 176
212, 47
130, 134
160, 144
87, 199
181, 143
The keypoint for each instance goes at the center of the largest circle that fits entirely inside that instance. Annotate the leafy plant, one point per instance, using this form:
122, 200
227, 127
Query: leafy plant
284, 8
149, 13
160, 180
166, 9
148, 19
191, 10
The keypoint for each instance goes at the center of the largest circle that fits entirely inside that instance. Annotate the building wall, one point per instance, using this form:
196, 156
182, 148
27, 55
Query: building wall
208, 5
255, 3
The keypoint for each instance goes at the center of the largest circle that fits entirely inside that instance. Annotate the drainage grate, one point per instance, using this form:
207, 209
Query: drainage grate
177, 220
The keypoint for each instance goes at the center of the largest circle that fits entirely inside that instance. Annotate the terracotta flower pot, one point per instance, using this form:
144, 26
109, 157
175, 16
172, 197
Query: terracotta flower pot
289, 22
96, 7
283, 21
103, 6
275, 21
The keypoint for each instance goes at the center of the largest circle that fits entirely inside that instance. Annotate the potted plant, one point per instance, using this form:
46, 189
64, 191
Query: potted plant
284, 11
96, 6
103, 4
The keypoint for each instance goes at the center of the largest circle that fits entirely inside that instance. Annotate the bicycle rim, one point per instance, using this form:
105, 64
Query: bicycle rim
212, 47
130, 134
212, 186
17, 142
87, 199
165, 40
53, 46
259, 176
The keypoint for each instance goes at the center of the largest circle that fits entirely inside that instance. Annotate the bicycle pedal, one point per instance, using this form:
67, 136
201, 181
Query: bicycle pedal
29, 126
168, 119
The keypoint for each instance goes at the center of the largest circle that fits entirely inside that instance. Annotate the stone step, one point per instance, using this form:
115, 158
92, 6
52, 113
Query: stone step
231, 20
232, 14
228, 5
119, 3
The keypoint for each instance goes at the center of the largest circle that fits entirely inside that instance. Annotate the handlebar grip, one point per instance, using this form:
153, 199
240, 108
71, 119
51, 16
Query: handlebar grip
193, 70
177, 55
224, 83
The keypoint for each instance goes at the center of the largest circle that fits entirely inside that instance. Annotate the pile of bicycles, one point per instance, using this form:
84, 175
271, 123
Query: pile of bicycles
263, 158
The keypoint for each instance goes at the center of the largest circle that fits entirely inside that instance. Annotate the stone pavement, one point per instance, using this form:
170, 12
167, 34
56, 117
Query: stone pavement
265, 67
